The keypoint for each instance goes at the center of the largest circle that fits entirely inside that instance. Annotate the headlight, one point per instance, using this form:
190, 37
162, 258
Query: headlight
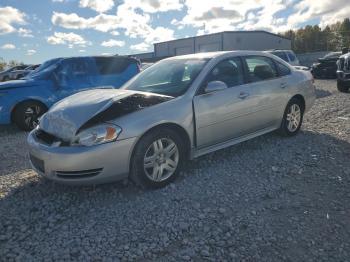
98, 135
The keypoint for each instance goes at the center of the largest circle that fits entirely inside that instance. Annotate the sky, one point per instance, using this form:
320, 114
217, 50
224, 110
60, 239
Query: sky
34, 31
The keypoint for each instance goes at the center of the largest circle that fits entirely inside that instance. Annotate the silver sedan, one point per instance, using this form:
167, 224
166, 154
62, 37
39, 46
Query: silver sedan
180, 108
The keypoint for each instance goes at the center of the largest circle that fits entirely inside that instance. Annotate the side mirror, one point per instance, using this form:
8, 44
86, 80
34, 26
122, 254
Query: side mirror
214, 86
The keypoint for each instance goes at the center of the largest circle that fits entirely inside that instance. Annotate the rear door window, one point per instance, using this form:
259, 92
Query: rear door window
113, 65
260, 68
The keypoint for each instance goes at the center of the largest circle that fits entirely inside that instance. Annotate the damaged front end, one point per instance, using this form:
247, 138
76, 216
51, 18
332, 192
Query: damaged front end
85, 119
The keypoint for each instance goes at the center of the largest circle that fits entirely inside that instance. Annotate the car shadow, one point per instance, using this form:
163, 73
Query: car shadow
320, 93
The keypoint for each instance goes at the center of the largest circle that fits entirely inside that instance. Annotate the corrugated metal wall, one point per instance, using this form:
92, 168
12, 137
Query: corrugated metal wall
225, 41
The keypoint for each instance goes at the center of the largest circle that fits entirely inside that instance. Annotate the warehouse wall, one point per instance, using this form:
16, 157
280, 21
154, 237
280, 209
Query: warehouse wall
225, 41
254, 41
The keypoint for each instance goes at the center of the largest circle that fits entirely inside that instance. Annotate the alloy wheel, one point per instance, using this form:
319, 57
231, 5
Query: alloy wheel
161, 159
293, 117
31, 116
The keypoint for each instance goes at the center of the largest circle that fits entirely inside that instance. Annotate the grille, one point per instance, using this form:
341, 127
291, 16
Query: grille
341, 64
37, 163
78, 174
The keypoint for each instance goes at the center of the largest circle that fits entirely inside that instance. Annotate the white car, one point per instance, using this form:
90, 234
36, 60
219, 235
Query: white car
179, 108
287, 55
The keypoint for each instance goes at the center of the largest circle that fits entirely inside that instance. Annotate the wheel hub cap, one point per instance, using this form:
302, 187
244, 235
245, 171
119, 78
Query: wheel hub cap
161, 159
293, 118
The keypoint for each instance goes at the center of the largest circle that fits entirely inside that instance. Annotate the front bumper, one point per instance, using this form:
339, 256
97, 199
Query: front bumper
75, 165
343, 76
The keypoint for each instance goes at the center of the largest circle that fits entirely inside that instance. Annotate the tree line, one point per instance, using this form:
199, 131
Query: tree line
11, 63
312, 38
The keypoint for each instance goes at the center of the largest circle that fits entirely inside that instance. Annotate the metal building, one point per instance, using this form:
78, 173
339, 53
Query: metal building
224, 41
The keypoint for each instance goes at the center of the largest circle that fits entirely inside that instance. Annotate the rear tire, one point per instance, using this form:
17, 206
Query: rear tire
6, 78
26, 115
157, 159
292, 118
342, 88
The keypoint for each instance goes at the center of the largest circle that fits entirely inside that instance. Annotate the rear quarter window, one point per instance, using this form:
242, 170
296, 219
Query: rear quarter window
113, 65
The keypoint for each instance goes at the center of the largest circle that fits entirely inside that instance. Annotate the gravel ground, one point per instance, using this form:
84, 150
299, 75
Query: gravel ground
268, 199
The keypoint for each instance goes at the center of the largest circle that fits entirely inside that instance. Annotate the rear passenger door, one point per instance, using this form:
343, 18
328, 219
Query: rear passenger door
268, 80
114, 71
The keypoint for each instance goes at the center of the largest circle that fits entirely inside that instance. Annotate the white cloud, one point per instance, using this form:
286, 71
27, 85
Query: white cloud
25, 32
106, 54
8, 17
8, 46
82, 51
115, 33
141, 47
135, 24
101, 22
69, 39
214, 16
31, 52
328, 11
97, 5
113, 43
154, 6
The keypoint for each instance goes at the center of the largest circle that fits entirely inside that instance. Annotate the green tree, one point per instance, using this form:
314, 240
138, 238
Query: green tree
2, 64
12, 63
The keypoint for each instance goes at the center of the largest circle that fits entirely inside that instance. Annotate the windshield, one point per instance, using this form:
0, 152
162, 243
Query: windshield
168, 77
44, 69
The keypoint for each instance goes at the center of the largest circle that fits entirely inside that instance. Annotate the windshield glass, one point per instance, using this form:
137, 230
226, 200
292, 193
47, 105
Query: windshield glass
44, 69
168, 77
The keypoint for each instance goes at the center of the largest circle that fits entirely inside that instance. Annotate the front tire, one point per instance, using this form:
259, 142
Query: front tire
26, 115
157, 158
342, 88
292, 118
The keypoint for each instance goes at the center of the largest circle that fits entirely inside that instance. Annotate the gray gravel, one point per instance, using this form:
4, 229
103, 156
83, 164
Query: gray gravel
268, 199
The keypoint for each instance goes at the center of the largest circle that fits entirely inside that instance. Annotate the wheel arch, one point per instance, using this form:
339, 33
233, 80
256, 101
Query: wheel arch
300, 98
25, 101
176, 127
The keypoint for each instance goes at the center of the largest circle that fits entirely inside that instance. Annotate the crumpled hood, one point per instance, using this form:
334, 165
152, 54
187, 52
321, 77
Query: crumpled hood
18, 84
87, 108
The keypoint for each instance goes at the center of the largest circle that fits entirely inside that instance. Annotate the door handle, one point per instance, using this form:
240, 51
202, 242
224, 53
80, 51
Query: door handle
243, 95
283, 85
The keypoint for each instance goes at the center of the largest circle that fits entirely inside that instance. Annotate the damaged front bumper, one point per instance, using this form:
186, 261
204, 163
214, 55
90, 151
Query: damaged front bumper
81, 165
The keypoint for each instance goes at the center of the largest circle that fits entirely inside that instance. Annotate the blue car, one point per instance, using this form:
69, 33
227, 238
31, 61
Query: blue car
23, 101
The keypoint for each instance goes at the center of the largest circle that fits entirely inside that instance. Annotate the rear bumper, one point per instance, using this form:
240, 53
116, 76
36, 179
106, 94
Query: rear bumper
81, 165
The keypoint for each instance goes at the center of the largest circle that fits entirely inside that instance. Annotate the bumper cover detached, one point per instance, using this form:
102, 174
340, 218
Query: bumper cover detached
78, 165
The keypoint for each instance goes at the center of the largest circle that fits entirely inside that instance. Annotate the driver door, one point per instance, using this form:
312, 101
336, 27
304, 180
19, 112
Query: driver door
224, 114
